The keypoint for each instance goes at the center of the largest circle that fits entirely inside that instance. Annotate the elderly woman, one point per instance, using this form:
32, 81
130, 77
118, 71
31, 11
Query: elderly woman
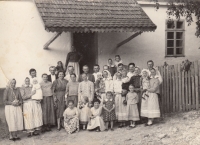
150, 106
71, 121
59, 89
13, 111
32, 110
48, 112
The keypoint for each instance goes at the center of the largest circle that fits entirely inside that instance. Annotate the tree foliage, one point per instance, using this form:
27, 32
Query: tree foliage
189, 9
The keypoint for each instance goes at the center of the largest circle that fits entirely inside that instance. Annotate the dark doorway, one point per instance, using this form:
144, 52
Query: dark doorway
86, 44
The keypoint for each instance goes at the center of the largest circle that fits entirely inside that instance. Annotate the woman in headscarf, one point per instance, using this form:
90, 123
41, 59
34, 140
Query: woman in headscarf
150, 106
59, 89
32, 110
48, 112
13, 111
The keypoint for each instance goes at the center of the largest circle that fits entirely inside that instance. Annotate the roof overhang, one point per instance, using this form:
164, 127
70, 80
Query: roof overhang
94, 16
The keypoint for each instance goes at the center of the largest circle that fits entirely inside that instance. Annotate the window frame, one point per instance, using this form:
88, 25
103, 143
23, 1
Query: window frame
175, 30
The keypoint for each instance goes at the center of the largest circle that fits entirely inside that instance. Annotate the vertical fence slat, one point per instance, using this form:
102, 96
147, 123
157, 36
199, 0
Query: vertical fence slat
174, 90
179, 82
167, 89
164, 89
186, 91
196, 85
170, 89
176, 79
189, 90
193, 86
183, 90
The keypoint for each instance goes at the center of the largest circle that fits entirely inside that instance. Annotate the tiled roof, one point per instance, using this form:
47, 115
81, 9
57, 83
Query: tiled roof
93, 16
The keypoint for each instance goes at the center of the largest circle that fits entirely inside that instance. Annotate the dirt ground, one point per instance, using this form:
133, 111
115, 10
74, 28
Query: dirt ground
175, 129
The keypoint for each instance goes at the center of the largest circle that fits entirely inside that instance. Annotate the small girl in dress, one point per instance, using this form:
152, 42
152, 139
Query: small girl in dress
132, 109
118, 60
96, 122
36, 87
84, 112
109, 110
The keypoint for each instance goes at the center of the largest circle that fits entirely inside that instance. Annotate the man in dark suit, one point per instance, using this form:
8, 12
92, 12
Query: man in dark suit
89, 76
52, 77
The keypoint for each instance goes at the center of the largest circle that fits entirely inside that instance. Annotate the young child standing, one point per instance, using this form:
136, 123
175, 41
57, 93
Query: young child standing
118, 60
84, 112
109, 110
36, 87
132, 109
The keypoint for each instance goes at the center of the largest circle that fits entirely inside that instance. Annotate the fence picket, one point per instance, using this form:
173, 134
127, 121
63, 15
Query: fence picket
174, 90
167, 88
176, 79
189, 90
183, 90
179, 82
196, 85
193, 86
186, 91
164, 90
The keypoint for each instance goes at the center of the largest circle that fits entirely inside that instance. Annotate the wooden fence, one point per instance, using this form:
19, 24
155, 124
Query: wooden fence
180, 89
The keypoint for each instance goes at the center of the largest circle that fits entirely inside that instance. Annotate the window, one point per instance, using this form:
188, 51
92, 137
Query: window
175, 38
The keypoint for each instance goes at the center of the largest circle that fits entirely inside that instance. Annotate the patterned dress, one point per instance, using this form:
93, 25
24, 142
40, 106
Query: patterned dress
109, 116
71, 121
59, 89
86, 88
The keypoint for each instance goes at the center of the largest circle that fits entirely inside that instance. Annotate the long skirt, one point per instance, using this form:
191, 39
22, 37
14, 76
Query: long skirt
14, 118
60, 104
132, 112
150, 106
73, 98
71, 125
84, 115
96, 122
32, 115
48, 113
76, 67
121, 109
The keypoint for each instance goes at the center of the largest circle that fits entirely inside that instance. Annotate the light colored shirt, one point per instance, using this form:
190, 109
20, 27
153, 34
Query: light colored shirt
72, 88
95, 75
68, 78
70, 112
117, 86
53, 77
108, 85
86, 88
130, 74
132, 98
46, 89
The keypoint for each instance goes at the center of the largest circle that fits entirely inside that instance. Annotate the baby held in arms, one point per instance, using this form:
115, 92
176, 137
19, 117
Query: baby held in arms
36, 87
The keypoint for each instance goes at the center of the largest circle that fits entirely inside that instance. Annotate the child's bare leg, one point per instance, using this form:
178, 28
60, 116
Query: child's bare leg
11, 135
83, 127
107, 124
111, 124
58, 121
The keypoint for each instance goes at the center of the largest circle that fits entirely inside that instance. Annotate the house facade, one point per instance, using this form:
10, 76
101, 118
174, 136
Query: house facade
23, 36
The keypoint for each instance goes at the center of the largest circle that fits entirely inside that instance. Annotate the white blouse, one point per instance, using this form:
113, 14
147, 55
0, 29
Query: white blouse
117, 86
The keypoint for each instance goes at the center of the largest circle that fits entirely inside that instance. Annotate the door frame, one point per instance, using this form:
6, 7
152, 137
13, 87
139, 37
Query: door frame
95, 45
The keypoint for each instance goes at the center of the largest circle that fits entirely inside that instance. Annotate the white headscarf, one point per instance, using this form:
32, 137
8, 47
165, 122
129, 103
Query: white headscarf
109, 75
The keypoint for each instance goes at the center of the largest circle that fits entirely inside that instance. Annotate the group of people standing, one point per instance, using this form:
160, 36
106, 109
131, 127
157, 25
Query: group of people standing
72, 100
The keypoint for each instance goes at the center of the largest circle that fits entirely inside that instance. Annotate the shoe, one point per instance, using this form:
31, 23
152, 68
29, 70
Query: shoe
148, 124
12, 139
132, 126
29, 135
58, 129
17, 138
120, 126
112, 129
48, 129
35, 134
106, 129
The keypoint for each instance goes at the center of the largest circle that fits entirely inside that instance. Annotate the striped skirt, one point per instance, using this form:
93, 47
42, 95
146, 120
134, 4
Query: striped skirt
14, 118
121, 109
48, 111
150, 106
32, 114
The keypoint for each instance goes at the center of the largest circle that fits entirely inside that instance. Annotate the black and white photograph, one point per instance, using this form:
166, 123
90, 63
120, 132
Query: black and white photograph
99, 72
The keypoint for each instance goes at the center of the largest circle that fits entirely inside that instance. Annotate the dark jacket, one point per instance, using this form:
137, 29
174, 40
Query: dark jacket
49, 78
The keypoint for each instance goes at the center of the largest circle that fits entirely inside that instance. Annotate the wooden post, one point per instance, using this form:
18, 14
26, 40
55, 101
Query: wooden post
174, 90
183, 90
180, 95
51, 40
